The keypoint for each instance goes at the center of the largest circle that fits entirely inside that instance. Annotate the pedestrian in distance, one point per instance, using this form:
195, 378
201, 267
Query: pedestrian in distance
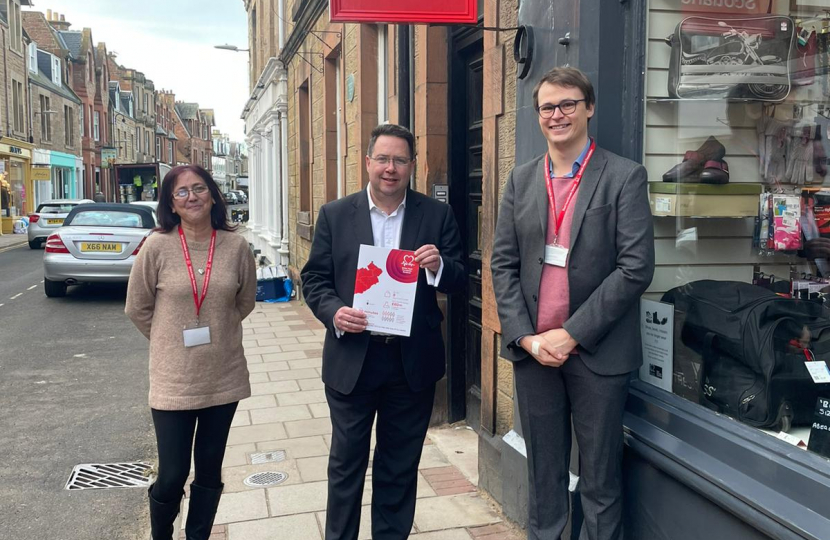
368, 375
573, 253
99, 197
192, 284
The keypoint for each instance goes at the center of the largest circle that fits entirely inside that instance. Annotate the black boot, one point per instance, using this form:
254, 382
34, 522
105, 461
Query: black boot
162, 516
203, 504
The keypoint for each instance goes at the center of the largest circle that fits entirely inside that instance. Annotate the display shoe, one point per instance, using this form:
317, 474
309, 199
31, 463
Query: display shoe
693, 161
714, 172
201, 512
162, 517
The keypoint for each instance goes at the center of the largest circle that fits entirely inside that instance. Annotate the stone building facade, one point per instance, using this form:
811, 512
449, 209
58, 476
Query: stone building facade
17, 196
166, 139
341, 81
193, 130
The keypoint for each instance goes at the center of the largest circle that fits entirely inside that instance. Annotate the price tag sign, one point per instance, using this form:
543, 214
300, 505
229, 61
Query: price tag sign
820, 430
818, 371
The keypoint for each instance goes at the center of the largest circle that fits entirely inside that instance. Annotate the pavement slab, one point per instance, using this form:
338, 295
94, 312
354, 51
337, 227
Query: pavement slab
288, 412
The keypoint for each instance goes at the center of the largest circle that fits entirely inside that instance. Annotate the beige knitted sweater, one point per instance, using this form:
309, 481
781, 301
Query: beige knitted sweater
160, 303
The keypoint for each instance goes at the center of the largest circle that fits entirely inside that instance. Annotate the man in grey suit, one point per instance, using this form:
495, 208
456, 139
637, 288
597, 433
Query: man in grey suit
573, 253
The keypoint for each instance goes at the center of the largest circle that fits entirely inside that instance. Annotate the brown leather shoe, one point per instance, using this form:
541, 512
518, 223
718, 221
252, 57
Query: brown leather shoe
693, 161
715, 172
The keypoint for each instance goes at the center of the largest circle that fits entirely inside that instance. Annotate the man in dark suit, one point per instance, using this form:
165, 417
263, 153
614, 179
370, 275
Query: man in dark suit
365, 373
573, 253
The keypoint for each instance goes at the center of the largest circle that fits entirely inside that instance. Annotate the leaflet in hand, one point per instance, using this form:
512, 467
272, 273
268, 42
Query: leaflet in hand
385, 286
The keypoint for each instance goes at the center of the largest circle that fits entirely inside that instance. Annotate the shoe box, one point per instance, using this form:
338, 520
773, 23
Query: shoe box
704, 200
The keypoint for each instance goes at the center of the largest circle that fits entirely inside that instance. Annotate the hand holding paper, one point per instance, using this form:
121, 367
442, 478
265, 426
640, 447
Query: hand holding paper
428, 257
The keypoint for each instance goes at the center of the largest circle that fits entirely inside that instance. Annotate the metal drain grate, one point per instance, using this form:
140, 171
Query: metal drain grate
264, 479
274, 456
108, 475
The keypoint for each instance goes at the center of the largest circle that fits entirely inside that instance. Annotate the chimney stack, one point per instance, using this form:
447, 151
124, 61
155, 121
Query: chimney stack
48, 14
58, 21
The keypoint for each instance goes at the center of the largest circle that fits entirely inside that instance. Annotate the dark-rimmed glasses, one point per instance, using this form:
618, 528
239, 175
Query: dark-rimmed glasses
568, 107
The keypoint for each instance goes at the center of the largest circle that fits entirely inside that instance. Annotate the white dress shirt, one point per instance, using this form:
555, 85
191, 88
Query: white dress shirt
386, 232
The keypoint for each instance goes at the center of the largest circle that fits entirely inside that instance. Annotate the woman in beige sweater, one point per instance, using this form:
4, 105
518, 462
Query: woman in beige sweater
192, 284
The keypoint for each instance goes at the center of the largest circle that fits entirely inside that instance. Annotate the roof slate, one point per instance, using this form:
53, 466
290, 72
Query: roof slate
73, 39
188, 111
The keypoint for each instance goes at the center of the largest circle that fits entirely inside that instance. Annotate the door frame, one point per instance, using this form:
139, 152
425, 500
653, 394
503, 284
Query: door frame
459, 39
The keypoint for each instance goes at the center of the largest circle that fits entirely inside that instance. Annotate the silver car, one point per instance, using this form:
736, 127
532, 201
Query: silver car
149, 204
48, 217
97, 243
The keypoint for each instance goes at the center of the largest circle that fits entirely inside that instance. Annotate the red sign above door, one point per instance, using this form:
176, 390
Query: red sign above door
405, 11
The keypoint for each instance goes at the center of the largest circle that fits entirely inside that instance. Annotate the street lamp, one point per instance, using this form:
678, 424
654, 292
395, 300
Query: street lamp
234, 48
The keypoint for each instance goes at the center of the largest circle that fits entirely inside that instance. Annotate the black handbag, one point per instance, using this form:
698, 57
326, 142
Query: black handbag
753, 345
731, 58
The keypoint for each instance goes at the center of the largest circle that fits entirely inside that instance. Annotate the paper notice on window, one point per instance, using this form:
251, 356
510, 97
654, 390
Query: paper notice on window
385, 286
657, 334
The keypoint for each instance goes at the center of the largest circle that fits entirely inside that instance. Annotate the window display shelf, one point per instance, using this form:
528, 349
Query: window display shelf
714, 100
785, 101
704, 200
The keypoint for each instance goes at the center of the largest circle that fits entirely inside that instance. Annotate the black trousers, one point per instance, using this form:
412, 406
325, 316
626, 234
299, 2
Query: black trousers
174, 438
402, 422
549, 398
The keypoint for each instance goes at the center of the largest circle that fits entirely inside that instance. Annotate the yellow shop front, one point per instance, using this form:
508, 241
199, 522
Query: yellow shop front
16, 189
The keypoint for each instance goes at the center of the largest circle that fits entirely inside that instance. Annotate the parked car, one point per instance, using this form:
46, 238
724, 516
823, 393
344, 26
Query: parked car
241, 195
231, 198
154, 205
48, 217
97, 243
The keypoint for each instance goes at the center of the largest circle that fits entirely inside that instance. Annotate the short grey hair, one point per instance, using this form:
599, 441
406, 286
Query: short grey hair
392, 130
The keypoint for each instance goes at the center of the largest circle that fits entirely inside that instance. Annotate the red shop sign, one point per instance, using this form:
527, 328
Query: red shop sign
405, 11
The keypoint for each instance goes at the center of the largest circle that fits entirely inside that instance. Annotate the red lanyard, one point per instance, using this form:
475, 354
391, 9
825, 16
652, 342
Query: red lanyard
198, 301
577, 179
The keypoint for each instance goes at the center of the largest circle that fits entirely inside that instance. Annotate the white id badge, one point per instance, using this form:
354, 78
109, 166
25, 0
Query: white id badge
196, 336
556, 255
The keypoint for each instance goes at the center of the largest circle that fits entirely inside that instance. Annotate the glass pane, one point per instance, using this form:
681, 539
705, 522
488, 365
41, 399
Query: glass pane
737, 139
104, 218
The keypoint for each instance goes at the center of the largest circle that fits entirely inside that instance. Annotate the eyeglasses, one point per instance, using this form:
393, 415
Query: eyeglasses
184, 192
567, 107
384, 161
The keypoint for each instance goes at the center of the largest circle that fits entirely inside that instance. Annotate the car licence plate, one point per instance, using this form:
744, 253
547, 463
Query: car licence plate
101, 247
54, 221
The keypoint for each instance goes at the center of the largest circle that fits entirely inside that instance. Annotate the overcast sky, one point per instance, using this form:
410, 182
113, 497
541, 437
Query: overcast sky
171, 42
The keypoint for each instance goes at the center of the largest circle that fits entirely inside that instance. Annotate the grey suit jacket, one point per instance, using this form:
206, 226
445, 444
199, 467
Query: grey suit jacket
610, 263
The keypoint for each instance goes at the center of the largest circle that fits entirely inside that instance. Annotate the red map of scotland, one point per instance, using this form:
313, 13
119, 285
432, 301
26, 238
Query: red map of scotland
366, 278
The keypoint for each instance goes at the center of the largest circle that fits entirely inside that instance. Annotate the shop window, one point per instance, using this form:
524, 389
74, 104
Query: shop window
736, 144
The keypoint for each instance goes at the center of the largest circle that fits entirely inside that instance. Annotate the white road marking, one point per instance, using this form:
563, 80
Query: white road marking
32, 287
15, 296
1, 305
